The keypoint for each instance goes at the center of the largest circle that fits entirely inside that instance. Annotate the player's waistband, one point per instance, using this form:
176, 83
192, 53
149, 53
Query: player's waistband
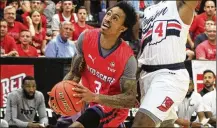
152, 68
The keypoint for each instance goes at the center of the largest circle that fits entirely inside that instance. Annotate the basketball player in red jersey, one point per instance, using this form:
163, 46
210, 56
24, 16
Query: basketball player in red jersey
164, 79
107, 67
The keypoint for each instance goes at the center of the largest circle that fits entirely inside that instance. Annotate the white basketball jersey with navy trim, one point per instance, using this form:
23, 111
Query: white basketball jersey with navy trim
164, 35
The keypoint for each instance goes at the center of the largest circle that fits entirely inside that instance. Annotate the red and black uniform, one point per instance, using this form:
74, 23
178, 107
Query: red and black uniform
102, 75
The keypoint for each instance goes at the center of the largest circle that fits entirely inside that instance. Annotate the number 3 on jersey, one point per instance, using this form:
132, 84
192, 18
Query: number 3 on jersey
98, 86
159, 31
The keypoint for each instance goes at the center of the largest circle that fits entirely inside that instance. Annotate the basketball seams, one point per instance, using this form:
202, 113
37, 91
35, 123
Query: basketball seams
69, 97
57, 101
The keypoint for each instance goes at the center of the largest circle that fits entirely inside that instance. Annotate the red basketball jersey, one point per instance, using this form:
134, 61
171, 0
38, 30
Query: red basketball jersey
102, 74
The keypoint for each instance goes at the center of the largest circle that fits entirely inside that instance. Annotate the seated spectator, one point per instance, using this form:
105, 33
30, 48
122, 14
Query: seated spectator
65, 14
81, 25
24, 48
38, 6
7, 43
14, 27
203, 36
209, 101
207, 49
19, 11
61, 46
23, 103
208, 82
38, 32
192, 103
197, 26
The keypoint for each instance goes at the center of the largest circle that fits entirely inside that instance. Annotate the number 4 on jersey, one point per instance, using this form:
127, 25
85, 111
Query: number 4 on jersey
159, 31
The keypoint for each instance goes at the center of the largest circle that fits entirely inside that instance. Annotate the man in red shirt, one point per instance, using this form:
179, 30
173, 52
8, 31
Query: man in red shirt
14, 27
197, 26
7, 43
24, 48
207, 49
81, 25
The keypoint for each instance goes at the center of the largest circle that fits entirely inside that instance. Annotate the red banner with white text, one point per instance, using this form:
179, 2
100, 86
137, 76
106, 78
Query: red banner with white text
11, 79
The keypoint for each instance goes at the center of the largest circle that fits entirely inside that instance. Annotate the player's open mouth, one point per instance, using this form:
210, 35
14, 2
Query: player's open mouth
105, 26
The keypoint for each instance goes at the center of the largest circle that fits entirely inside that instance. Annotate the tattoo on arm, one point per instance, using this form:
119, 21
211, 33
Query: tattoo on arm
126, 99
77, 67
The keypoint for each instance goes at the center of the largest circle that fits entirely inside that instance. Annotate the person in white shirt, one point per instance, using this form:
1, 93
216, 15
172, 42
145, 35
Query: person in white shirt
209, 101
192, 102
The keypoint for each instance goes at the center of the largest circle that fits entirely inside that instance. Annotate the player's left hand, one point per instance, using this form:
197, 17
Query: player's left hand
84, 93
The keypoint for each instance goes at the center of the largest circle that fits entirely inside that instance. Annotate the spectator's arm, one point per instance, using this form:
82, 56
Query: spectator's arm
31, 27
11, 112
50, 50
44, 42
42, 111
212, 120
190, 41
182, 122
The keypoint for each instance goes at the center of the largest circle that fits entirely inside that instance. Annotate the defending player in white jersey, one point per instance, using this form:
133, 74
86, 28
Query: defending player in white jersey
163, 78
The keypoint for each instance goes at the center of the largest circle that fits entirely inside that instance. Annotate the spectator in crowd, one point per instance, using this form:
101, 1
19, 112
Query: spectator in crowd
81, 25
207, 49
192, 102
23, 103
49, 11
197, 26
87, 4
24, 48
203, 36
19, 11
66, 14
7, 43
14, 27
35, 5
208, 82
38, 32
209, 101
61, 46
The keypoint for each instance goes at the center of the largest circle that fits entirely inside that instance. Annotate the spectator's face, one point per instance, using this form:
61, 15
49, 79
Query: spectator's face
82, 15
66, 31
208, 24
36, 17
10, 15
113, 22
4, 28
209, 8
36, 5
29, 87
67, 6
25, 38
14, 4
212, 33
208, 80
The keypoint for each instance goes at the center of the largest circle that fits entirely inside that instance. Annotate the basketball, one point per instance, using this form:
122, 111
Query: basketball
61, 99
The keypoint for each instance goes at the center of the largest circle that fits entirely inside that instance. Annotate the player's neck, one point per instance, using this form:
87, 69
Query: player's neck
107, 42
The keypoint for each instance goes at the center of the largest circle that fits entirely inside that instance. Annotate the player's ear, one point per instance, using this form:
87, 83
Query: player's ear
123, 29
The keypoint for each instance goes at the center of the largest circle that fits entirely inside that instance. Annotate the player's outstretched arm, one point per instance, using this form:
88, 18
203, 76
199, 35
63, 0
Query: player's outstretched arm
77, 66
186, 10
